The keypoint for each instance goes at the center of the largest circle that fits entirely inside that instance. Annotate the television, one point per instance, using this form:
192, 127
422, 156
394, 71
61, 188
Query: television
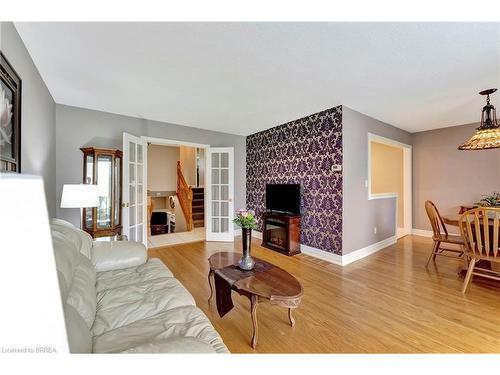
283, 198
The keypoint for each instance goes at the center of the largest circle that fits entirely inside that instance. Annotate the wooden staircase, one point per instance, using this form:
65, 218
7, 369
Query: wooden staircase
192, 201
185, 197
198, 207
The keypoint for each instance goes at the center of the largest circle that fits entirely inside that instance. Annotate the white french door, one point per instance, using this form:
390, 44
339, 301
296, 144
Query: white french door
134, 207
220, 192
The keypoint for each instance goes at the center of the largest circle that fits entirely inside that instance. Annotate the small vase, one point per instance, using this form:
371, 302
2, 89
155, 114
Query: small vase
246, 262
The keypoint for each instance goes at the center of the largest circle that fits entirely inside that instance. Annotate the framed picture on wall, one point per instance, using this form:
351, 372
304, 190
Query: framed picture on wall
10, 118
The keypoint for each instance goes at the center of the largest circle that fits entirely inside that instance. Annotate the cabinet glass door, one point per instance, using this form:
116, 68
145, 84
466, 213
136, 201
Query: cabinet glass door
104, 175
89, 180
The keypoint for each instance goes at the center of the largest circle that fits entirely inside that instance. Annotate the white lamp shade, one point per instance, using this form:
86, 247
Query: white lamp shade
80, 196
32, 315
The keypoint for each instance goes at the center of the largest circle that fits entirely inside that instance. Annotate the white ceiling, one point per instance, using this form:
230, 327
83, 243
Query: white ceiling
241, 78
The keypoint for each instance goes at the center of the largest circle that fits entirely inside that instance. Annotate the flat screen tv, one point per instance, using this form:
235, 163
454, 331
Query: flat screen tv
283, 198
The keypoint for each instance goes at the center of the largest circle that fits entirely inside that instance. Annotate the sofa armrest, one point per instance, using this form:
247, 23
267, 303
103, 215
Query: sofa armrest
115, 255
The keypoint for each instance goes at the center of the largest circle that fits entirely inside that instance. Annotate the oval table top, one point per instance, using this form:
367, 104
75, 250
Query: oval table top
274, 284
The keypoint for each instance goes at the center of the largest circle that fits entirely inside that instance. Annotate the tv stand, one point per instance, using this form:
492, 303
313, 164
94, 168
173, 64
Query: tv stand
281, 232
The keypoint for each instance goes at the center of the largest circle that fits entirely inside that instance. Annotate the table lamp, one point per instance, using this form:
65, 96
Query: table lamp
80, 196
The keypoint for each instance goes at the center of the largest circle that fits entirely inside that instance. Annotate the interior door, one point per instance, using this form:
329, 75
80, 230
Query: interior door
134, 226
220, 193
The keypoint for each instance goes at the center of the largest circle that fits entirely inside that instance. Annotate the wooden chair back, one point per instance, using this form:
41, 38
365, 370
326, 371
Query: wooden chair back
437, 223
479, 228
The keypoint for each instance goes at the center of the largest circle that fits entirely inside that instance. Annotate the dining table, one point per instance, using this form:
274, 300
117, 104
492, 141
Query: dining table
452, 215
452, 218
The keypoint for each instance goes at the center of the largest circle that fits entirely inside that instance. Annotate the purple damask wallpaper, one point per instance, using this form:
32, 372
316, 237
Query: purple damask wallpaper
302, 151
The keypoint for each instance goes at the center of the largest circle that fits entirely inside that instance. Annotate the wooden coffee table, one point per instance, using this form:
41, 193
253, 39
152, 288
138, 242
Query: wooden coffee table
275, 286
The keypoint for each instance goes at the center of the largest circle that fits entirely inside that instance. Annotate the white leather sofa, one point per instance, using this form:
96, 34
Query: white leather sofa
115, 300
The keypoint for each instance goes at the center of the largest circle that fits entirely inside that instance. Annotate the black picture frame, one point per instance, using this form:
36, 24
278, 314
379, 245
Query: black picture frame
10, 137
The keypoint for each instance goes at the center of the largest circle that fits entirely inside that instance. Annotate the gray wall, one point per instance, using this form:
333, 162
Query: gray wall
361, 215
38, 120
78, 127
447, 176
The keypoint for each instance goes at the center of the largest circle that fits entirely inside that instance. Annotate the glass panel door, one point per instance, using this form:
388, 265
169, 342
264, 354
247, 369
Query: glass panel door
133, 189
220, 178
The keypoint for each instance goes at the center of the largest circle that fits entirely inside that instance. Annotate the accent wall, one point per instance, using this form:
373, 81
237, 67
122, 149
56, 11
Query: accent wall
302, 152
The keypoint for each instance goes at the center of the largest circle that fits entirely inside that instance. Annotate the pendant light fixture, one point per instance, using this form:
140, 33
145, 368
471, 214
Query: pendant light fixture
488, 134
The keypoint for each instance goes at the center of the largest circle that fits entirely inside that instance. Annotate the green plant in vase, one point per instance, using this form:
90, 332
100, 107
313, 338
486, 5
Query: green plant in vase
490, 200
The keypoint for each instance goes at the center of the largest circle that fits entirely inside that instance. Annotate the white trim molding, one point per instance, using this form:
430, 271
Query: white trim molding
368, 250
407, 179
421, 232
383, 196
401, 232
341, 260
321, 254
427, 233
344, 260
172, 142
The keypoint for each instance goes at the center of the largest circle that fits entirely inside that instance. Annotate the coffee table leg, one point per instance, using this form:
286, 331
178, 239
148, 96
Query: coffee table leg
254, 301
210, 283
290, 317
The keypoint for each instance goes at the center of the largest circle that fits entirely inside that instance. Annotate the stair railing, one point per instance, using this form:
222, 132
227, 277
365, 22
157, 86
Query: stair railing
185, 196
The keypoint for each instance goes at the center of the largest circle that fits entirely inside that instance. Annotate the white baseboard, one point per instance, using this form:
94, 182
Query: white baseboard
428, 233
321, 254
400, 232
257, 234
368, 250
335, 258
421, 232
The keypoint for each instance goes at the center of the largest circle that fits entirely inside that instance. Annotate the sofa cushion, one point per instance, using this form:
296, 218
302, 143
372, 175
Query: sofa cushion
79, 337
151, 270
82, 294
185, 321
113, 255
127, 304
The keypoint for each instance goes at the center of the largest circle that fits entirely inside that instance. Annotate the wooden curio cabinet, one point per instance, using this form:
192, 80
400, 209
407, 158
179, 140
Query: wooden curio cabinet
103, 167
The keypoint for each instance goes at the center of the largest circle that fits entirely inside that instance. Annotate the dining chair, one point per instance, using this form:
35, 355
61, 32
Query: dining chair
440, 236
480, 229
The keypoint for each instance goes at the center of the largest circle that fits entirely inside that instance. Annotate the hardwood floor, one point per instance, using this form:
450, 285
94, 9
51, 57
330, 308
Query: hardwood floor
385, 303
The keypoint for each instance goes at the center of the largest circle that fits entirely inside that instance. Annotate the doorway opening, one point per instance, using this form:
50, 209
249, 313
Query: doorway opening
389, 177
204, 191
175, 194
